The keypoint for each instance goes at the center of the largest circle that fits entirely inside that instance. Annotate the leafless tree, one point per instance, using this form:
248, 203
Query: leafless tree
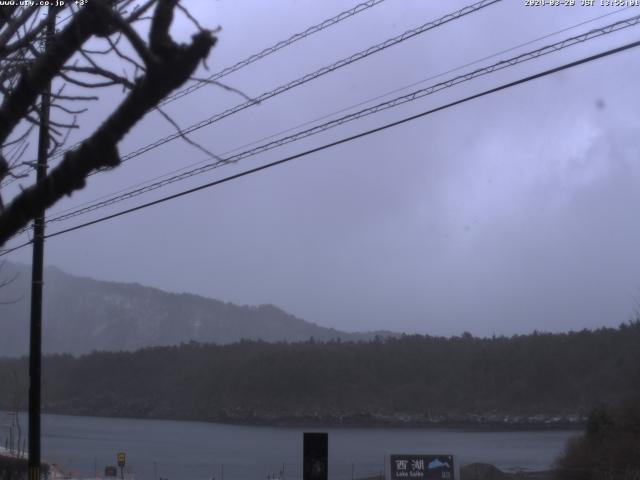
79, 58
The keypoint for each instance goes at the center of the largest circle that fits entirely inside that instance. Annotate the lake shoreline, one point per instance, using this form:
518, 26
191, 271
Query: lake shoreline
197, 449
468, 422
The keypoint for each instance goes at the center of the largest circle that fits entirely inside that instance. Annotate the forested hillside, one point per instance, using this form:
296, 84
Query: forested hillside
426, 378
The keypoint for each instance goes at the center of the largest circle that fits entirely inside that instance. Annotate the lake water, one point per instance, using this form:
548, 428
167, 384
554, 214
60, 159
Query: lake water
199, 451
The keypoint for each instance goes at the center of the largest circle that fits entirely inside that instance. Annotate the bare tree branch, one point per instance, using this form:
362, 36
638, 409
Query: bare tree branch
226, 87
63, 45
170, 66
136, 41
184, 136
140, 11
14, 25
29, 37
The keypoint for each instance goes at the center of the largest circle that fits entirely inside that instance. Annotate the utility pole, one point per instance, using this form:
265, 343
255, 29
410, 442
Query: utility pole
35, 340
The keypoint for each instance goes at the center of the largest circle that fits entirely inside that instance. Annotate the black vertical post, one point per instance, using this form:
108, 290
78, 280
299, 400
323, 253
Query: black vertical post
35, 340
315, 452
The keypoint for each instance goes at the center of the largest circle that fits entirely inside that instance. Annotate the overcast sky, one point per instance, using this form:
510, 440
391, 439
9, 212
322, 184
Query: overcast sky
506, 214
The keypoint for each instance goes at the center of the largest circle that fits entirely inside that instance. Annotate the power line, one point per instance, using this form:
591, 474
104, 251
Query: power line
415, 95
304, 79
350, 107
300, 81
312, 76
354, 137
262, 54
7, 251
273, 48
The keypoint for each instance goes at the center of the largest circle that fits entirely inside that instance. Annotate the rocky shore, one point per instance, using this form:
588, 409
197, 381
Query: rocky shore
489, 421
363, 418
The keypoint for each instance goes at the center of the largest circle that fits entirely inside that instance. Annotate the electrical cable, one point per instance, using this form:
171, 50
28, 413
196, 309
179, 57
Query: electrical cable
7, 251
312, 76
345, 109
595, 33
351, 138
257, 56
272, 49
304, 79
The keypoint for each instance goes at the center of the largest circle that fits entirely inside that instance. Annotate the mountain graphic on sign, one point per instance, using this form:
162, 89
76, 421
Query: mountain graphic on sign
437, 464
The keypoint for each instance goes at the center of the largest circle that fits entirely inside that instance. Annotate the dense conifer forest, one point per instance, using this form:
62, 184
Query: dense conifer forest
408, 379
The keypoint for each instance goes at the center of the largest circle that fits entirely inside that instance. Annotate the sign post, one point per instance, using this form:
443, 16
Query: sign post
121, 464
421, 467
315, 448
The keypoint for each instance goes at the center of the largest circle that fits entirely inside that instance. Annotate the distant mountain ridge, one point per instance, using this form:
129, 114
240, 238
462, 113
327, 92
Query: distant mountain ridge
82, 314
